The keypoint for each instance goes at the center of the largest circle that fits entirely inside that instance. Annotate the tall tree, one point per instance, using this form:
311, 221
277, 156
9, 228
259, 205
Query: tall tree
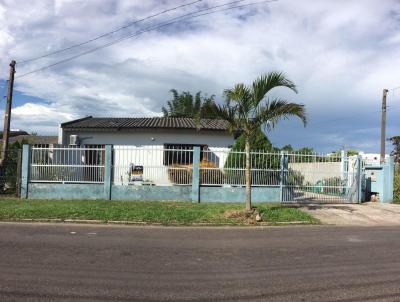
186, 105
396, 148
248, 108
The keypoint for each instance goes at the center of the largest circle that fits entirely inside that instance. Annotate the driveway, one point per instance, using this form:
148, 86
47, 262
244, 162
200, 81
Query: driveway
64, 262
366, 214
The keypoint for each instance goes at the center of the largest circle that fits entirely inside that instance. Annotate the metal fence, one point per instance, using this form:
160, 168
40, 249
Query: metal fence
10, 172
319, 178
227, 168
300, 177
67, 164
152, 165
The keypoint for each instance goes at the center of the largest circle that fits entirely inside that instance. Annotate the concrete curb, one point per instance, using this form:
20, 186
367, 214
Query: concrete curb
143, 223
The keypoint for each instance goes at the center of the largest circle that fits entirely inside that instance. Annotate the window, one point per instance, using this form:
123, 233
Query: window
94, 158
178, 154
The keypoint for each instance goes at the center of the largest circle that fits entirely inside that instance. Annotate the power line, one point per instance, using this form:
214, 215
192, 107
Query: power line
355, 115
308, 137
351, 116
108, 33
152, 28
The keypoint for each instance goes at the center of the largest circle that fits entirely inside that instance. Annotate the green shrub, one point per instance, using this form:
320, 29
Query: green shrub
396, 193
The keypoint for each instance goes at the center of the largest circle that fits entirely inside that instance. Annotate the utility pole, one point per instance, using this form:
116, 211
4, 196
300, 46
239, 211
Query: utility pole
7, 114
383, 125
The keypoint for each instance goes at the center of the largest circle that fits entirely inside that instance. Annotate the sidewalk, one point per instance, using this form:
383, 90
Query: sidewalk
366, 214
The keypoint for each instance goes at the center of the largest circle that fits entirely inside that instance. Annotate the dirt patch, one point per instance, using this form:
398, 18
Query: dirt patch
243, 216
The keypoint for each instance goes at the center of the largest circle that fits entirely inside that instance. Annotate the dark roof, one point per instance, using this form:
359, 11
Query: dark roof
34, 139
142, 123
15, 133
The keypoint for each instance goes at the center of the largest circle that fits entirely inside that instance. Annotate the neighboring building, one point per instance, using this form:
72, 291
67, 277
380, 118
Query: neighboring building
38, 140
14, 133
372, 158
31, 139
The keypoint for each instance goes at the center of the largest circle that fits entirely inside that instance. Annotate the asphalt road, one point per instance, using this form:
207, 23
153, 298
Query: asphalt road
40, 262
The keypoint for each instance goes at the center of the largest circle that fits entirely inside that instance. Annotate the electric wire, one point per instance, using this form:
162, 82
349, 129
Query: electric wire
172, 21
107, 33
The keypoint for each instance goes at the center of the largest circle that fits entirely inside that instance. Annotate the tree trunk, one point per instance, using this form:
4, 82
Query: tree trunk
248, 176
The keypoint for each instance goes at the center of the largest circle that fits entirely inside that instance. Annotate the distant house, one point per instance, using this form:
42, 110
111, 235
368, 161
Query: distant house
372, 158
14, 133
24, 137
38, 140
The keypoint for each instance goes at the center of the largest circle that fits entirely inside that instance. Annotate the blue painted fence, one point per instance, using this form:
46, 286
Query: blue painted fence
108, 191
350, 187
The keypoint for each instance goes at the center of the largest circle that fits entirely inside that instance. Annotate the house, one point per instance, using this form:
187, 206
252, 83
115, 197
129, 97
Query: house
155, 131
160, 147
24, 137
14, 133
37, 140
372, 158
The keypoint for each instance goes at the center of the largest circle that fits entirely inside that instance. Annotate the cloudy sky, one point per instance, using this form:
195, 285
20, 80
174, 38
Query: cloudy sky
340, 53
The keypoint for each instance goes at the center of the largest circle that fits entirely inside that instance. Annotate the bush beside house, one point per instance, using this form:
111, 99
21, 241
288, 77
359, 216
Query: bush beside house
396, 193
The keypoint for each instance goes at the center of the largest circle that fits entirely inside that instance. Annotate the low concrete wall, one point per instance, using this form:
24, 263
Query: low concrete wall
175, 193
150, 193
237, 194
65, 191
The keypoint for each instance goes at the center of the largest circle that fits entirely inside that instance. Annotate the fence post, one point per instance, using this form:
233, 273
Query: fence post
196, 175
388, 179
283, 175
107, 172
359, 178
25, 170
343, 170
18, 178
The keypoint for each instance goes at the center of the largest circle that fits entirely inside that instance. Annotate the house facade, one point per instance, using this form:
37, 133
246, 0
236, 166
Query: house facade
158, 149
139, 132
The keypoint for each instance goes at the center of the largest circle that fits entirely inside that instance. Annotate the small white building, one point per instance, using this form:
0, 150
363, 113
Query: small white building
372, 158
156, 144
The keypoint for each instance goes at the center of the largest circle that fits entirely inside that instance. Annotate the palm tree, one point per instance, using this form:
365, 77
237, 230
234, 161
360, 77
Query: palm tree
186, 105
247, 109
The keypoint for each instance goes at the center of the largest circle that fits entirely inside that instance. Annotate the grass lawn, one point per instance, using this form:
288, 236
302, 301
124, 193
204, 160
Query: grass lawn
147, 212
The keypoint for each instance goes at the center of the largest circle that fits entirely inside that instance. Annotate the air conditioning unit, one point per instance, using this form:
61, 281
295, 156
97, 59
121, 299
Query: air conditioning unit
74, 140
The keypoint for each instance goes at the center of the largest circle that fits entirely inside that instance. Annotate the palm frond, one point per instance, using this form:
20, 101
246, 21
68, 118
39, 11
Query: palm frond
242, 97
164, 111
265, 83
278, 109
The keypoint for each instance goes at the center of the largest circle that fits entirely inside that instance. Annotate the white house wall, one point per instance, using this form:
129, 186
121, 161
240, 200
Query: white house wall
146, 148
150, 157
152, 138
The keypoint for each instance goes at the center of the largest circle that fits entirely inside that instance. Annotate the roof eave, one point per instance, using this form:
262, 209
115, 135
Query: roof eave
76, 121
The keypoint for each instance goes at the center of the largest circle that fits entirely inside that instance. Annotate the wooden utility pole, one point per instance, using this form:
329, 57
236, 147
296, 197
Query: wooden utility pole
383, 125
7, 114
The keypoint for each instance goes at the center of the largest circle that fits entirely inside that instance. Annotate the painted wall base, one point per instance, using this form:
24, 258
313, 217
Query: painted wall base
149, 193
237, 194
155, 193
65, 191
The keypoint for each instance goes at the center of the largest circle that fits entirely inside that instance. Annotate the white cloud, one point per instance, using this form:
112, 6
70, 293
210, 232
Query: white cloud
340, 53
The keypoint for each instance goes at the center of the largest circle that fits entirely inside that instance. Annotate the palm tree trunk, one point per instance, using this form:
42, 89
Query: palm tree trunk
248, 175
